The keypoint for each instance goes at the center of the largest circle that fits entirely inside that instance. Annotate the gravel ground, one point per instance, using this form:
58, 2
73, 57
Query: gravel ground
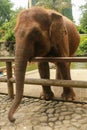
35, 114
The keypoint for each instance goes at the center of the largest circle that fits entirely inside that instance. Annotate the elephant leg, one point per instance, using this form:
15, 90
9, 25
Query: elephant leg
63, 72
58, 73
46, 94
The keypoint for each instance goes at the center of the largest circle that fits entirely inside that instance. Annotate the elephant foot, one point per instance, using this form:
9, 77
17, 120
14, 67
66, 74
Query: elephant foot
68, 94
47, 96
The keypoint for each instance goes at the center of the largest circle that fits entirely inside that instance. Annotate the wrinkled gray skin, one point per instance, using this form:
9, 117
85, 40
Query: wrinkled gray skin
40, 32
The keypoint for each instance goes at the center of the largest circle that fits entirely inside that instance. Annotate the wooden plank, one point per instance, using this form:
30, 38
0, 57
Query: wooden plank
7, 59
53, 82
49, 59
60, 59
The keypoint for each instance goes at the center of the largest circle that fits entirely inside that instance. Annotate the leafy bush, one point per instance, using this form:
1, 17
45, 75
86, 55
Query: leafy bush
7, 36
82, 38
8, 29
83, 46
82, 49
80, 29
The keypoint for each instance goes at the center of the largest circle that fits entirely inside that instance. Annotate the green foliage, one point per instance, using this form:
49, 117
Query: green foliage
82, 38
68, 13
31, 66
5, 11
62, 6
83, 46
45, 3
8, 31
83, 20
2, 64
8, 35
67, 9
81, 29
82, 49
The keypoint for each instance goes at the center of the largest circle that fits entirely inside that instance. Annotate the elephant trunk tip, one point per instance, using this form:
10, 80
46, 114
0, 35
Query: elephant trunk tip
10, 117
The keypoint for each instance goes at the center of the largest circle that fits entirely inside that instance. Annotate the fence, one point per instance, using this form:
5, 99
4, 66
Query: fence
65, 83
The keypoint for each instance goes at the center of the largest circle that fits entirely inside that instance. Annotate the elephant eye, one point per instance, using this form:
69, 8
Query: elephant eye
64, 31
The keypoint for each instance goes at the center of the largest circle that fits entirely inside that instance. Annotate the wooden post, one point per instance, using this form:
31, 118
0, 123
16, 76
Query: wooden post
9, 75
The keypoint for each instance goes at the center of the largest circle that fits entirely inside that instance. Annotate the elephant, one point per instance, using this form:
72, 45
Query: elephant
41, 32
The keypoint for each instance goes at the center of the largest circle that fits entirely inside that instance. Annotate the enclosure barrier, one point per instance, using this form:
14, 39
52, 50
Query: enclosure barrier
65, 83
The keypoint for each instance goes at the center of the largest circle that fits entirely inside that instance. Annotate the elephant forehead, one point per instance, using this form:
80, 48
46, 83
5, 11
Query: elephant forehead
30, 16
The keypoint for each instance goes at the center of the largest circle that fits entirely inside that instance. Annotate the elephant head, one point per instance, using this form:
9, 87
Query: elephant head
37, 31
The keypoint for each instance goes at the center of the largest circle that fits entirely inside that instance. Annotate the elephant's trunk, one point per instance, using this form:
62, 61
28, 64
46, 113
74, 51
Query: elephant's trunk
20, 68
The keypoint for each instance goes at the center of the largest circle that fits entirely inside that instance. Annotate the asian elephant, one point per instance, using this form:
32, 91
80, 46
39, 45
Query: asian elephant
41, 32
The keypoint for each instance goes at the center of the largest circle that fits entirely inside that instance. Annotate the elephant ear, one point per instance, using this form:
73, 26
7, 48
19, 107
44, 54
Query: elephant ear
58, 33
57, 28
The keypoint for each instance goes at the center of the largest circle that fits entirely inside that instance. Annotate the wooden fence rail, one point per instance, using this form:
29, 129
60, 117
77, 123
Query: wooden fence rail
47, 82
65, 83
